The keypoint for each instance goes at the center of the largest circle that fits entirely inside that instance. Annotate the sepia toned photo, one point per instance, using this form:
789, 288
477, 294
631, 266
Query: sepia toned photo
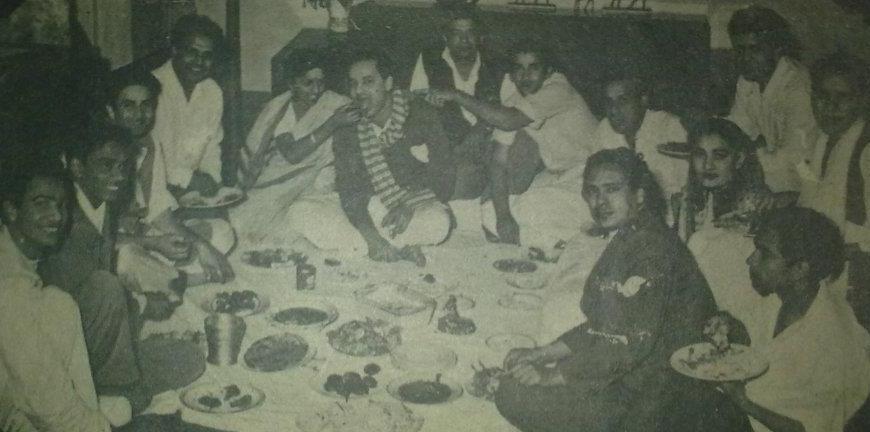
434, 216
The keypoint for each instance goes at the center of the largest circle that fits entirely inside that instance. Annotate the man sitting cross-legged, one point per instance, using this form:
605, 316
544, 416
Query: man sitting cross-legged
541, 118
819, 372
462, 63
150, 227
393, 173
83, 265
42, 348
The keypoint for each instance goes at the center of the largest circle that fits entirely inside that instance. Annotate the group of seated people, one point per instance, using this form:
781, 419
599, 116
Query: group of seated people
514, 155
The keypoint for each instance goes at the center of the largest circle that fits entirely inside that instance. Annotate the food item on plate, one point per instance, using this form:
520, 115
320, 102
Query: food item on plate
301, 316
209, 401
425, 392
235, 301
242, 402
351, 383
717, 365
332, 262
275, 353
231, 391
452, 323
515, 266
365, 338
429, 278
485, 382
366, 415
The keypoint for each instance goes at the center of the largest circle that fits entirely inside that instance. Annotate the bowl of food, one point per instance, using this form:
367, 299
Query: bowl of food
306, 314
423, 357
240, 303
216, 398
278, 352
424, 389
365, 338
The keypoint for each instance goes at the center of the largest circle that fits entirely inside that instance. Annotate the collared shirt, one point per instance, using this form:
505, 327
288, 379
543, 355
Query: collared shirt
189, 131
782, 113
819, 370
420, 80
97, 216
658, 127
562, 124
42, 349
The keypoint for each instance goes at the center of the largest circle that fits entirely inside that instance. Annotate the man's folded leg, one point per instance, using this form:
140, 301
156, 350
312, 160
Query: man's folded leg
429, 226
321, 220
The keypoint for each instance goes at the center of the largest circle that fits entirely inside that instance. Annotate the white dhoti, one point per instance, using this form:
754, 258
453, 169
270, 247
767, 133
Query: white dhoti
321, 220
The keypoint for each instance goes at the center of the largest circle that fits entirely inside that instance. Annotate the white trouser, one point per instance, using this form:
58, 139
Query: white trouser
322, 221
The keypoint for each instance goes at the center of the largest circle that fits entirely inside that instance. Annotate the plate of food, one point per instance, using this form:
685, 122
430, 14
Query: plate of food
222, 398
360, 415
306, 314
396, 299
505, 342
485, 382
369, 338
679, 150
239, 303
521, 301
346, 384
706, 362
226, 196
424, 389
272, 258
278, 352
511, 265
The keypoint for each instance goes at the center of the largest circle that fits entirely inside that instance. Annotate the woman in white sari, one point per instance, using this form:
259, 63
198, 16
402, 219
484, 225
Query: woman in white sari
288, 152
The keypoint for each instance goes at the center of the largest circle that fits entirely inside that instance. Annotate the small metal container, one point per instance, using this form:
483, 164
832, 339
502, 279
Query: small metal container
306, 277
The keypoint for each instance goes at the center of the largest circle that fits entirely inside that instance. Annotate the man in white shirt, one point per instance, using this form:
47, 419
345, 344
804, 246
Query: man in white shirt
188, 123
42, 349
836, 173
463, 65
772, 101
819, 373
630, 123
151, 225
537, 103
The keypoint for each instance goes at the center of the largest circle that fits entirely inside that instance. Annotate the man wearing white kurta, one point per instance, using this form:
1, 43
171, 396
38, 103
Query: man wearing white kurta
819, 372
772, 102
42, 347
538, 103
629, 123
189, 111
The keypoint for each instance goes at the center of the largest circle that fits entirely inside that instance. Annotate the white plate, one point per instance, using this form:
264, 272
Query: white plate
742, 363
393, 298
521, 301
420, 357
329, 309
505, 342
395, 386
226, 196
262, 303
191, 398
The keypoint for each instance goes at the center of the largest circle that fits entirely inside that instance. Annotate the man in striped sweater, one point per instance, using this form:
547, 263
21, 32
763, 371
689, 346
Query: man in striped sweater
393, 169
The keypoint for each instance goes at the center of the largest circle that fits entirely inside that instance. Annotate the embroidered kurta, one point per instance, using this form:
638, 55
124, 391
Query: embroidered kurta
189, 131
782, 113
